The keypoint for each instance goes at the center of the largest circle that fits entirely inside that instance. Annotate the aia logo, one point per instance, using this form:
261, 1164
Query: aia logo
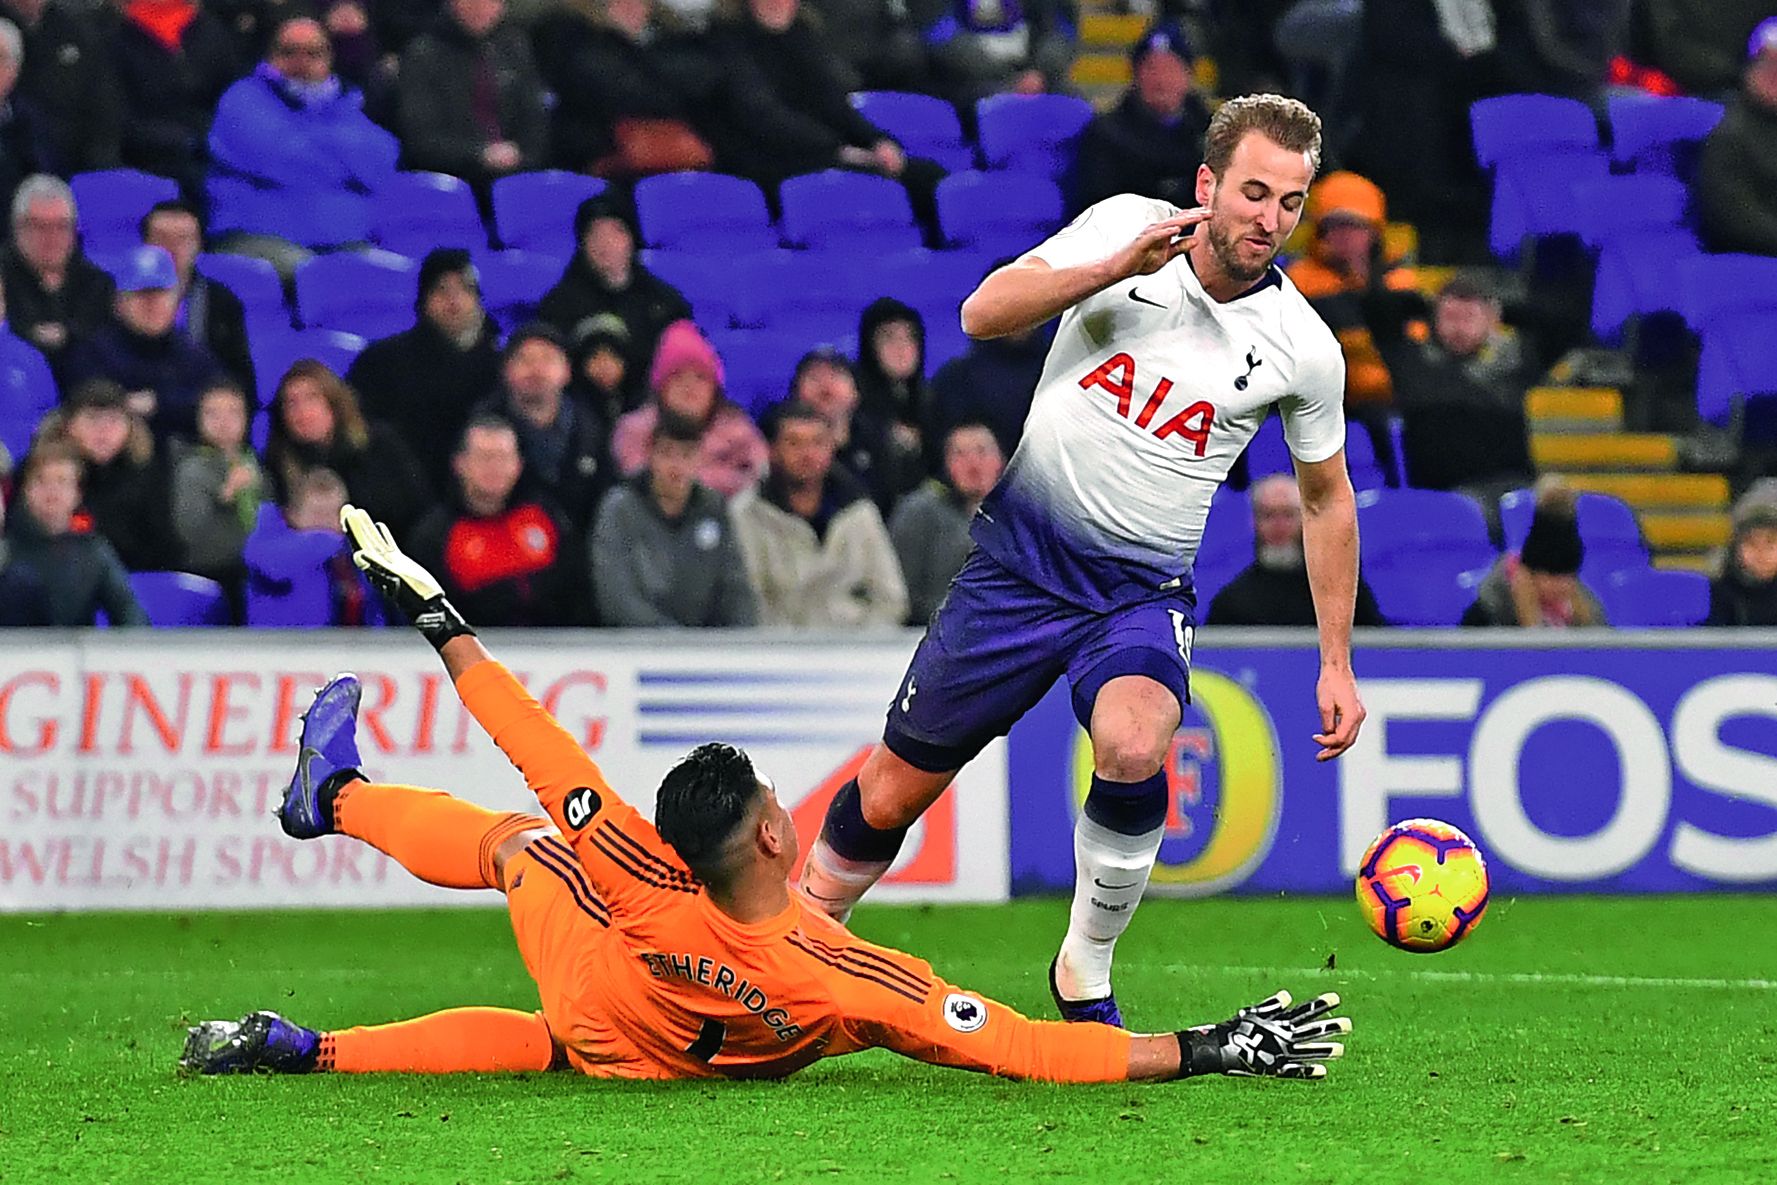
1117, 376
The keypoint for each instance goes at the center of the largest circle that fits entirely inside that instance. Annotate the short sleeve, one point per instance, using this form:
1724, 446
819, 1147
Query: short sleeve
1314, 410
1099, 230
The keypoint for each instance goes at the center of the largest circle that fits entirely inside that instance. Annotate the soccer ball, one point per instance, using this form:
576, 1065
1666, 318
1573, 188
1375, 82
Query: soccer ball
1422, 886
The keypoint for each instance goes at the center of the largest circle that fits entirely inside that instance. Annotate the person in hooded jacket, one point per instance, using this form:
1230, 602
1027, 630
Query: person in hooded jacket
127, 486
686, 380
423, 382
599, 351
1744, 591
605, 277
891, 374
295, 164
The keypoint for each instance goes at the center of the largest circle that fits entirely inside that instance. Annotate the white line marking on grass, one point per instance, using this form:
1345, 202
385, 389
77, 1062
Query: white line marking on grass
1521, 978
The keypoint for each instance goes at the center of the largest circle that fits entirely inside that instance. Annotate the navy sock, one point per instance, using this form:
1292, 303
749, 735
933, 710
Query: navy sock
850, 836
1128, 808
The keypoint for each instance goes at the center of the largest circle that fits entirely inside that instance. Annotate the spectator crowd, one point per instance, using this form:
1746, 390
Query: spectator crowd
592, 464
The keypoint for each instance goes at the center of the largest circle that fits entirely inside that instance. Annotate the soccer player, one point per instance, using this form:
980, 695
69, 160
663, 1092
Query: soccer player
681, 952
1178, 335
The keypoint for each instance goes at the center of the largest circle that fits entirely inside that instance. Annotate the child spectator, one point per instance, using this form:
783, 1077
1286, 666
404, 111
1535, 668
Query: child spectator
76, 568
128, 491
299, 563
217, 487
1744, 591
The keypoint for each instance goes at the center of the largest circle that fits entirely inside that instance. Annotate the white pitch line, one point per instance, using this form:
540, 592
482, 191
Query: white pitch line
1524, 978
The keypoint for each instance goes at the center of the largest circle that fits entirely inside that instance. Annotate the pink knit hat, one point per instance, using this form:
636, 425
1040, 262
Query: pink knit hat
682, 347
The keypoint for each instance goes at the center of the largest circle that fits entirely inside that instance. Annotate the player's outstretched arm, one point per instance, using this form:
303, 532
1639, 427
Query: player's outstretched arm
1329, 543
552, 763
1274, 1038
1025, 294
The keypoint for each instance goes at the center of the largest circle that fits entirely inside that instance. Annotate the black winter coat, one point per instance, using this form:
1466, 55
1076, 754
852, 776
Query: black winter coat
382, 477
435, 92
647, 306
131, 504
170, 96
423, 387
70, 76
81, 306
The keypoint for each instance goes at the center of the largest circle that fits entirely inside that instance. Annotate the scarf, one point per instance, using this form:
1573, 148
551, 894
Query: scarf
297, 93
163, 20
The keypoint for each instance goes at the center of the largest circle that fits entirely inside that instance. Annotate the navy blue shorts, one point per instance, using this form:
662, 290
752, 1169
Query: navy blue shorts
998, 643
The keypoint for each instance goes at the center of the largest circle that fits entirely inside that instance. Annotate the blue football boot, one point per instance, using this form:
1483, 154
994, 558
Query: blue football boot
260, 1042
328, 758
1102, 1010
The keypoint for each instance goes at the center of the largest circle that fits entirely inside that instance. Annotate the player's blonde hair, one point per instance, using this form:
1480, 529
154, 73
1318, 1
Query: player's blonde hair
1288, 123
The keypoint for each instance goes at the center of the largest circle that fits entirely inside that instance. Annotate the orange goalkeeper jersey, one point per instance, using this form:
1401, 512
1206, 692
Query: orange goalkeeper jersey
671, 987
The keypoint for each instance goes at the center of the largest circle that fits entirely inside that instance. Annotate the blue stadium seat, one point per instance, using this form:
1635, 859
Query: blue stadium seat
922, 124
709, 282
254, 283
1608, 527
111, 203
1269, 453
1511, 125
703, 211
275, 353
945, 340
1421, 600
513, 284
370, 293
1226, 548
1612, 207
838, 210
815, 294
998, 213
415, 212
1360, 459
1712, 286
1031, 133
179, 599
1653, 599
934, 282
535, 211
1427, 536
1737, 373
1533, 195
25, 398
1634, 277
759, 364
1659, 135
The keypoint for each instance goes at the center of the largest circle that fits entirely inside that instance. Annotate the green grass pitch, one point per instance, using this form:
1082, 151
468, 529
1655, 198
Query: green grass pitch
1573, 1039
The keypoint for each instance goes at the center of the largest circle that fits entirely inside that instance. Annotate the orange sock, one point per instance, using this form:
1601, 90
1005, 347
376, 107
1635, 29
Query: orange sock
440, 839
456, 1041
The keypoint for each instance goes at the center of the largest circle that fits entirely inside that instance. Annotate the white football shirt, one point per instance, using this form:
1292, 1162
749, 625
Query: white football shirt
1150, 391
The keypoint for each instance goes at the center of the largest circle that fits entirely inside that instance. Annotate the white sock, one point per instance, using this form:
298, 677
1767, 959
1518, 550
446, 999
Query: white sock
835, 883
1110, 871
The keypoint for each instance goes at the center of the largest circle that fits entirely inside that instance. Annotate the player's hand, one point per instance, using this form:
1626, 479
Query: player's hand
1159, 244
1341, 712
1275, 1038
405, 583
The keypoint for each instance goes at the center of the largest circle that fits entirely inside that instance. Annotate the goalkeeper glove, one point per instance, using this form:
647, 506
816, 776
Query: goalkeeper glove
1268, 1039
407, 585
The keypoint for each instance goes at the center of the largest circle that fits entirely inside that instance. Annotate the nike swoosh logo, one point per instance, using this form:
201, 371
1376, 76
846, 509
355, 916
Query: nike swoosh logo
1102, 885
302, 769
1139, 298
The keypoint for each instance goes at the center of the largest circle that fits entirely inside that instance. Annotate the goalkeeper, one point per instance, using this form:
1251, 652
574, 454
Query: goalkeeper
681, 952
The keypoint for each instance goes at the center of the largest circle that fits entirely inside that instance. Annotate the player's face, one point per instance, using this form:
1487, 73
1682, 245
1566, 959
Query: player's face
1757, 554
778, 818
1254, 205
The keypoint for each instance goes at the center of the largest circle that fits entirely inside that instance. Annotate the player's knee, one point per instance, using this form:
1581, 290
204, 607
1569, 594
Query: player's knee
1129, 752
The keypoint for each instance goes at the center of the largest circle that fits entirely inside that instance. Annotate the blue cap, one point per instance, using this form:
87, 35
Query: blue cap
1164, 35
147, 268
1764, 38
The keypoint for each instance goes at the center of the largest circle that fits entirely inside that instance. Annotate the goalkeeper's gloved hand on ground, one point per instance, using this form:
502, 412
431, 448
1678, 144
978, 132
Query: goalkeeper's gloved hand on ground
1269, 1039
404, 583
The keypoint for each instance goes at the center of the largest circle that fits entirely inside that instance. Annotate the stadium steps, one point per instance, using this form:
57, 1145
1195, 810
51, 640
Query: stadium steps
1577, 432
1101, 70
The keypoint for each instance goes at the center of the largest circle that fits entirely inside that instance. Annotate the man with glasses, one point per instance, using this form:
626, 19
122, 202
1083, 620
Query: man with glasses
54, 294
295, 162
